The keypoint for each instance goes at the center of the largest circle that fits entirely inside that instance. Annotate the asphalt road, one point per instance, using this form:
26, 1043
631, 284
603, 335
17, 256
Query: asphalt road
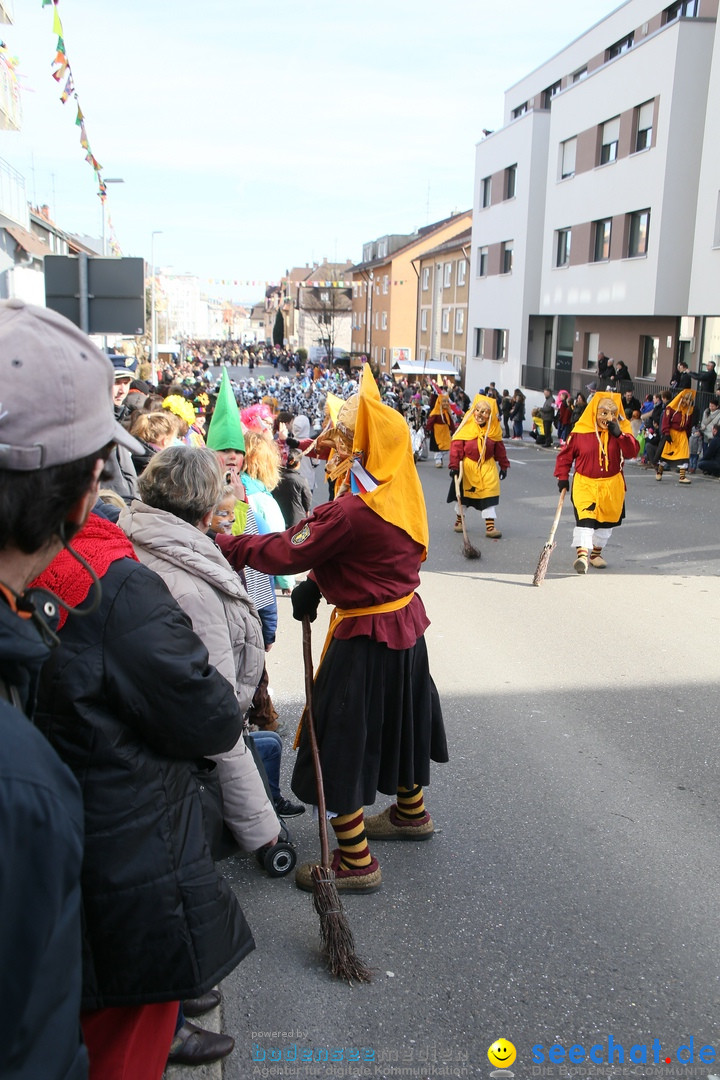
570, 893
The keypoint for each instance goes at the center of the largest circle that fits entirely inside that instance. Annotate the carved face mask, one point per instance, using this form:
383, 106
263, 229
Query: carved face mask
607, 411
482, 413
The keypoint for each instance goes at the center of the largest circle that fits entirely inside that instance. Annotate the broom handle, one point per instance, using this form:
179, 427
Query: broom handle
556, 519
458, 493
310, 721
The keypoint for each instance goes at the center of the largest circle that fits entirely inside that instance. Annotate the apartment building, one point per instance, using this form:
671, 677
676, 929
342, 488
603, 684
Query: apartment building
385, 291
596, 217
441, 331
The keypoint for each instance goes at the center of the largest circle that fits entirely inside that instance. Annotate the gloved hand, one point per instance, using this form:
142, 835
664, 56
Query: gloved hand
503, 474
563, 485
668, 437
305, 598
614, 428
454, 472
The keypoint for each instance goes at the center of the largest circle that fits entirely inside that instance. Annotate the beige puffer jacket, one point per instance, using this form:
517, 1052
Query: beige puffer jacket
225, 619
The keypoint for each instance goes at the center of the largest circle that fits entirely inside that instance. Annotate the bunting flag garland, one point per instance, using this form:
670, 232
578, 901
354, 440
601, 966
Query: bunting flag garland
62, 73
284, 282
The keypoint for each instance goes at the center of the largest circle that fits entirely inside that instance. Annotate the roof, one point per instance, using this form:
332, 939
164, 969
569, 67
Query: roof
449, 245
28, 241
415, 238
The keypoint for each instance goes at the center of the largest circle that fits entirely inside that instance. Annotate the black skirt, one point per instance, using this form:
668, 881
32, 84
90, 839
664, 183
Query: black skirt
378, 721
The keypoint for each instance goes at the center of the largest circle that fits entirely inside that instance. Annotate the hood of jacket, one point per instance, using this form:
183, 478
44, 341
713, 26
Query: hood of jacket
175, 541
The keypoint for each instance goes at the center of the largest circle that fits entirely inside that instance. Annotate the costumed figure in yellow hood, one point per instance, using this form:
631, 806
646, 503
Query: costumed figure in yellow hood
597, 446
377, 712
440, 426
478, 456
677, 421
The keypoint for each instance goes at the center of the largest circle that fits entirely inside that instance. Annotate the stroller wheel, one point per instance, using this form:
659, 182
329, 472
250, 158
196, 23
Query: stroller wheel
277, 860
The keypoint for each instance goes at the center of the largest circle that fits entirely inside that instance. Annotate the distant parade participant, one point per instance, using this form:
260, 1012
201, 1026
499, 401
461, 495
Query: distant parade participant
677, 422
440, 426
597, 446
477, 445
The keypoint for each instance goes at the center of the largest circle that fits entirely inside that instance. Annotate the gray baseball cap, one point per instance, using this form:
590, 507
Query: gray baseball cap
55, 391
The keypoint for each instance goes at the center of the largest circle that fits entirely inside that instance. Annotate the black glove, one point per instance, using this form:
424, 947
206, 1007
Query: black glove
614, 428
305, 598
503, 474
454, 472
563, 485
668, 438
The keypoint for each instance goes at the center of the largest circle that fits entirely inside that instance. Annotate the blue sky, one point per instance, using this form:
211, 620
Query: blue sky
258, 137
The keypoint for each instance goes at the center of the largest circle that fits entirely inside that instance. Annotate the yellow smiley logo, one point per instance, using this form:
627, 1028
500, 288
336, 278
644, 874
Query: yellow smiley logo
502, 1053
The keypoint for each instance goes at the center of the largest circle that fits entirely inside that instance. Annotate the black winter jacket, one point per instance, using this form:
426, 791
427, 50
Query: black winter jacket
41, 846
131, 703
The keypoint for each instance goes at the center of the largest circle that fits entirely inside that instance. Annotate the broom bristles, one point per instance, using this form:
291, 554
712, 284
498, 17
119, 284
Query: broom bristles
337, 939
469, 551
543, 563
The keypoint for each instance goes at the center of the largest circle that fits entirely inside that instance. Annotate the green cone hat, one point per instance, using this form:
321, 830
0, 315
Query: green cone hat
225, 431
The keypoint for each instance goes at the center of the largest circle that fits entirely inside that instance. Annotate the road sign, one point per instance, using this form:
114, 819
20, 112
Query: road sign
100, 295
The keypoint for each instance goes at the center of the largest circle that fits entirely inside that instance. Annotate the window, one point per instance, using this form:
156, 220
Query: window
423, 356
459, 321
479, 341
620, 47
644, 125
382, 249
482, 261
386, 284
384, 321
325, 297
568, 150
461, 271
578, 76
485, 191
383, 355
520, 111
683, 9
426, 278
549, 94
446, 320
499, 344
510, 181
650, 347
423, 319
562, 256
506, 257
601, 248
447, 279
638, 234
377, 320
610, 136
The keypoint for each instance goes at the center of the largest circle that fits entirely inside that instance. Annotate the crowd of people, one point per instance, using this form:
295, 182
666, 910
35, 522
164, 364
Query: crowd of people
173, 517
136, 613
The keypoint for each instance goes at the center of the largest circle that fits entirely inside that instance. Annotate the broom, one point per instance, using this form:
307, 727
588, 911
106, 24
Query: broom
544, 559
469, 551
337, 939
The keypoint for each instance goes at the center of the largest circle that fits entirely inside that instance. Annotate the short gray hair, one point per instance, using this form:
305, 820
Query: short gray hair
183, 480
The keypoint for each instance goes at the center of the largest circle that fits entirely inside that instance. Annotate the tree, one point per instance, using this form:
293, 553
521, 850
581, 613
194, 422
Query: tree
279, 328
323, 305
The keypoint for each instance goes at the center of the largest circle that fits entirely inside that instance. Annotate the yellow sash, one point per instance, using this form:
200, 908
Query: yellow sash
337, 615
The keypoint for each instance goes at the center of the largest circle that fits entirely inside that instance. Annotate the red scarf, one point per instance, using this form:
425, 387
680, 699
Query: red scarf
100, 543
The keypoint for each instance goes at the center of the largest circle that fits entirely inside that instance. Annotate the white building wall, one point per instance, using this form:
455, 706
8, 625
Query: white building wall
630, 16
662, 178
505, 301
705, 274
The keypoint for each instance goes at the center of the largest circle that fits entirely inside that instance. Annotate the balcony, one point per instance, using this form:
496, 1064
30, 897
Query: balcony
13, 201
10, 110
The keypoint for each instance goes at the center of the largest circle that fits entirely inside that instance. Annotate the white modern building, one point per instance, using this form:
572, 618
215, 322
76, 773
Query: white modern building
596, 218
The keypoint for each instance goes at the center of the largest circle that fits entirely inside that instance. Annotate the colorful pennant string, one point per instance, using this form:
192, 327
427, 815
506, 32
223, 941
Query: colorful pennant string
62, 73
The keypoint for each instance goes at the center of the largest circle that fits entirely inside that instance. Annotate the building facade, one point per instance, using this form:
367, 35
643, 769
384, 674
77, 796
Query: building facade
596, 214
385, 291
441, 331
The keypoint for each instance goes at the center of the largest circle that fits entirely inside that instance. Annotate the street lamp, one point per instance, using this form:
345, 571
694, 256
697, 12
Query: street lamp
153, 319
110, 180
